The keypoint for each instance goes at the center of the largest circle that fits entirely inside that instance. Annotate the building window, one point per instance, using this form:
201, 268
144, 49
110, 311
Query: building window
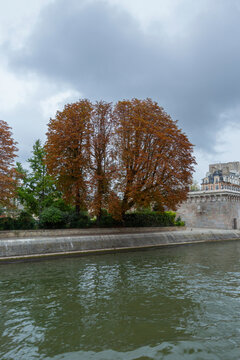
216, 187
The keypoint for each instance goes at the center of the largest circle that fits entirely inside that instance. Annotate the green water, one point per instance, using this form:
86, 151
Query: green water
173, 303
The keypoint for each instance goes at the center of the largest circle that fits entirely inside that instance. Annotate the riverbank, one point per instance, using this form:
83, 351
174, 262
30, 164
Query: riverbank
104, 241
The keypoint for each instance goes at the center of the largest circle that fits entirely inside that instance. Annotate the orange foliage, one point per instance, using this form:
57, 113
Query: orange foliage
101, 156
7, 172
119, 158
68, 151
155, 162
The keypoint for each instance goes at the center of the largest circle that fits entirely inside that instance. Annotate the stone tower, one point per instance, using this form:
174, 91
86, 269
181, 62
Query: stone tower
217, 205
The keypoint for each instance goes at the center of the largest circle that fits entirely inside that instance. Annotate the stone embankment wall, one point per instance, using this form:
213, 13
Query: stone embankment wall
23, 249
218, 209
7, 234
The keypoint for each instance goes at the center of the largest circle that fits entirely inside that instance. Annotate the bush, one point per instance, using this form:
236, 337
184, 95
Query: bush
107, 220
52, 218
149, 218
81, 220
61, 205
7, 223
179, 222
25, 221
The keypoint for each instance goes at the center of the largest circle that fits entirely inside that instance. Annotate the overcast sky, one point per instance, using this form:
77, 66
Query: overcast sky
184, 54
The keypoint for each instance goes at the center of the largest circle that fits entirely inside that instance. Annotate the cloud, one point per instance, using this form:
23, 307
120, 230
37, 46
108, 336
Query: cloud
27, 105
101, 50
57, 101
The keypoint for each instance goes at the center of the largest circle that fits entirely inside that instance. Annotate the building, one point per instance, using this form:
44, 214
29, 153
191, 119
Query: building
222, 176
217, 204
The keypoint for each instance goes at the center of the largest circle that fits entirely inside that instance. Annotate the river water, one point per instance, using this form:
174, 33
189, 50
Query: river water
173, 303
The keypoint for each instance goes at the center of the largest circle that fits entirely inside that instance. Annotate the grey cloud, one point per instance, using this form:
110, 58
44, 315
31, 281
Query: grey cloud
101, 51
27, 126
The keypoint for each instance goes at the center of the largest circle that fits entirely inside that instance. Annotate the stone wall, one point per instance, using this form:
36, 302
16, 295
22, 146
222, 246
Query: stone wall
39, 248
218, 209
40, 233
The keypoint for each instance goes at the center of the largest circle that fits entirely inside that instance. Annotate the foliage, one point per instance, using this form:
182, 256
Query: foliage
7, 223
154, 158
77, 220
68, 151
36, 189
149, 218
7, 172
179, 222
52, 218
106, 220
102, 167
122, 157
25, 221
61, 205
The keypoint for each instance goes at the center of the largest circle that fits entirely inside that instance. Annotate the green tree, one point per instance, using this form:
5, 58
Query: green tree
36, 189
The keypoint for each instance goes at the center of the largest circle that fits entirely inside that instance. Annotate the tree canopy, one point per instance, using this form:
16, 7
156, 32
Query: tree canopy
154, 158
68, 151
7, 172
101, 156
119, 157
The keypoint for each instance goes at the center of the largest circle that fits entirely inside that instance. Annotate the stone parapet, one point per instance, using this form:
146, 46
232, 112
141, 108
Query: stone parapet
40, 233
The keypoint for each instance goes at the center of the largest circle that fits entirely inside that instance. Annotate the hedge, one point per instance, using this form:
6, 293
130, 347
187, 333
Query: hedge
54, 218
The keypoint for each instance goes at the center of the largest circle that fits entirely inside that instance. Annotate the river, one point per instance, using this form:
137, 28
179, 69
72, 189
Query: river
172, 303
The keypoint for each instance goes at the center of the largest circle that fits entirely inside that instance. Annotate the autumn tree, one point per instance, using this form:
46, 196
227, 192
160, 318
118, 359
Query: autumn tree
7, 172
36, 189
68, 151
132, 155
154, 158
102, 166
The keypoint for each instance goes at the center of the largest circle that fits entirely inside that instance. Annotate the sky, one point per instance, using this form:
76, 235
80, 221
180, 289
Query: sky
184, 54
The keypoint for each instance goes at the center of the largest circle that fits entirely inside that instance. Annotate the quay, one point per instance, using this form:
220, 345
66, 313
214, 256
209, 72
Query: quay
40, 244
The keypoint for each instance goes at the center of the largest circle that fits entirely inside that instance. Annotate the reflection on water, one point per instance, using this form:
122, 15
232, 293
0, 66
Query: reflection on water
175, 303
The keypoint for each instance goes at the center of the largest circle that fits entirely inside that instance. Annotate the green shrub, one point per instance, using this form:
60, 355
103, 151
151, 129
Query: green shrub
7, 223
81, 220
171, 216
52, 218
25, 221
179, 222
149, 218
61, 205
107, 220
